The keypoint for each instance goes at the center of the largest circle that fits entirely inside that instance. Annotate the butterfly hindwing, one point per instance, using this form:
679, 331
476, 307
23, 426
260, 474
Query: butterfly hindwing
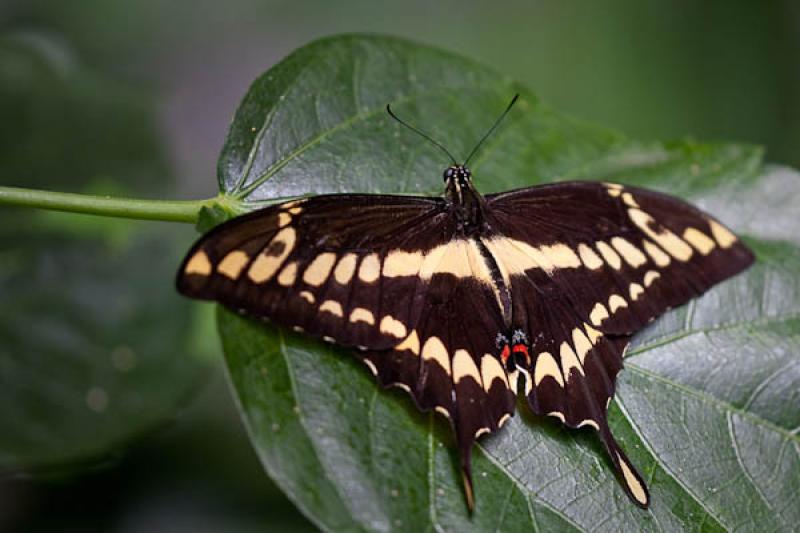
449, 361
572, 373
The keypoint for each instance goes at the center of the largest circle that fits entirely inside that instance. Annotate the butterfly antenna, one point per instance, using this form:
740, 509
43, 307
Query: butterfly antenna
494, 126
421, 133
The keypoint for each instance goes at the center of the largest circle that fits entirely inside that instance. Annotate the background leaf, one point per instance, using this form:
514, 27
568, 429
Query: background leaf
94, 340
708, 405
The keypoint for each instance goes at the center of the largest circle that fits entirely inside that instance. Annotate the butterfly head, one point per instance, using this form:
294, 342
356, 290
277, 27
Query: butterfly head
457, 173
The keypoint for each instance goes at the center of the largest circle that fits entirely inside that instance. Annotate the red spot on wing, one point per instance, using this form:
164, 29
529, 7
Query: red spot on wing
505, 354
521, 348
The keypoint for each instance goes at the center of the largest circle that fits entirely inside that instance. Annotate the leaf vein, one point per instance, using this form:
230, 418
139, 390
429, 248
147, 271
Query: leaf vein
324, 134
740, 460
707, 398
658, 461
668, 339
524, 489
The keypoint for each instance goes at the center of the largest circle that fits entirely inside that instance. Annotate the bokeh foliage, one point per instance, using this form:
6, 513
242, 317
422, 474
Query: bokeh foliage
91, 333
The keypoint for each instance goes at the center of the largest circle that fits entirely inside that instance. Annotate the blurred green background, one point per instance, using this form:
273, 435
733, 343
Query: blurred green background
137, 96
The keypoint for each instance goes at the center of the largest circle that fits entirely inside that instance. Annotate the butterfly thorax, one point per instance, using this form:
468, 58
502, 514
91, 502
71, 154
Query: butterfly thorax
468, 203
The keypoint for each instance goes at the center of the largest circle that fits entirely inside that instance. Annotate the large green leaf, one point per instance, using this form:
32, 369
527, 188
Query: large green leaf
94, 339
708, 406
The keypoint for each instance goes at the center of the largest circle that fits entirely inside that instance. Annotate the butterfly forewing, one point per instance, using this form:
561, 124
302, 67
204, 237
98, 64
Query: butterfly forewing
620, 255
343, 268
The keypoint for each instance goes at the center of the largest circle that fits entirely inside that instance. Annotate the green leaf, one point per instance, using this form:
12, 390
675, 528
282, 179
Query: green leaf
95, 341
708, 406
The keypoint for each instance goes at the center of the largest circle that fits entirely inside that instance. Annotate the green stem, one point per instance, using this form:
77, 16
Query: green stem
170, 211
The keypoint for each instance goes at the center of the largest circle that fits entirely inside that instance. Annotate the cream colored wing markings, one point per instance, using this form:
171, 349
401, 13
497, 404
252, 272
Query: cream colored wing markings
699, 240
261, 267
464, 366
461, 367
598, 314
308, 296
332, 307
650, 277
635, 291
233, 264
660, 239
434, 351
272, 263
630, 253
318, 270
466, 373
589, 257
370, 268
569, 360
546, 365
659, 257
581, 343
400, 263
634, 485
391, 326
347, 269
271, 258
492, 370
459, 258
659, 248
360, 314
199, 264
665, 238
288, 274
410, 343
610, 256
515, 258
723, 237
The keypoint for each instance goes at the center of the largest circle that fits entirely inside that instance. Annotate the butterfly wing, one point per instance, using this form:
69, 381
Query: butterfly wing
449, 360
386, 274
621, 255
345, 268
588, 265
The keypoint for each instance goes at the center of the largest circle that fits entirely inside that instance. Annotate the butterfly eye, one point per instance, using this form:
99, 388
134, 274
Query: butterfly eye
448, 174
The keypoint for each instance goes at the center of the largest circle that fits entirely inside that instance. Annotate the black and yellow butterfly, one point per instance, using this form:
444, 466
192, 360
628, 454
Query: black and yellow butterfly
464, 300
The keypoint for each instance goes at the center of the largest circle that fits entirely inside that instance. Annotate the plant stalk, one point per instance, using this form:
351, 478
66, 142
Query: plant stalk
165, 210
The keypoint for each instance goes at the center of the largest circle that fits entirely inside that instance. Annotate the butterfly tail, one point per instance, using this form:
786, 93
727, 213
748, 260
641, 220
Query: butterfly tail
465, 453
631, 480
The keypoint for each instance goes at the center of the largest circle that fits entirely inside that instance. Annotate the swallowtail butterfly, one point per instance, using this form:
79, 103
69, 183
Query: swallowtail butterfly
466, 300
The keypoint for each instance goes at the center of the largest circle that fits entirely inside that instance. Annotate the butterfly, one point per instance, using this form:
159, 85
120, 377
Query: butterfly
467, 301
